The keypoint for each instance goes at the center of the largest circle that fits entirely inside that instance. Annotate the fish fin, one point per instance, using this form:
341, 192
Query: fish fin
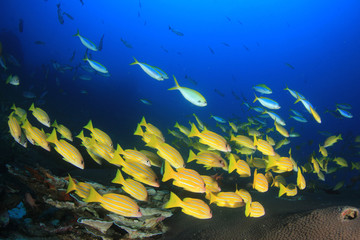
81, 135
119, 179
232, 163
135, 61
32, 107
287, 88
256, 98
282, 190
192, 156
89, 126
119, 149
117, 159
77, 33
8, 79
71, 186
52, 138
247, 208
194, 131
212, 197
143, 122
93, 196
139, 131
339, 137
55, 125
174, 201
13, 107
177, 125
177, 86
153, 142
168, 172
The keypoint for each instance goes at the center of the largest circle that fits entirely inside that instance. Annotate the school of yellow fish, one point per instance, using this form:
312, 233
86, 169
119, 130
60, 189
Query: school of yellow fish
247, 148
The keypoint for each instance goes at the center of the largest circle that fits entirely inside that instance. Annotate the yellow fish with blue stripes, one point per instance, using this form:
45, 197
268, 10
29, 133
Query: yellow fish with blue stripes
40, 115
132, 187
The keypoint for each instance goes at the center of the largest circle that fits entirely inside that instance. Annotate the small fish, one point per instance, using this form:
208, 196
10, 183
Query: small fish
344, 113
35, 135
227, 199
188, 179
323, 151
275, 117
101, 42
281, 130
86, 42
64, 131
344, 106
127, 44
211, 50
244, 194
190, 206
98, 134
338, 185
132, 187
219, 93
15, 129
152, 71
82, 189
116, 203
176, 32
243, 141
82, 2
264, 147
332, 140
68, 151
229, 19
190, 94
290, 190
262, 88
260, 183
13, 80
96, 65
225, 44
85, 77
190, 79
73, 56
294, 93
21, 25
245, 47
39, 42
212, 139
299, 119
60, 16
201, 125
300, 180
211, 184
68, 15
241, 167
315, 114
182, 129
152, 129
341, 162
207, 158
218, 119
2, 62
289, 65
267, 102
254, 209
145, 101
40, 115
133, 156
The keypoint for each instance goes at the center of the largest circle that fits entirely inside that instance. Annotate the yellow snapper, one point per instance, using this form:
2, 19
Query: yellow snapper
315, 114
227, 199
116, 203
280, 165
82, 189
290, 190
190, 94
133, 155
40, 115
68, 151
182, 129
281, 130
207, 158
15, 129
152, 129
64, 131
190, 206
254, 209
323, 151
332, 140
264, 147
99, 135
211, 184
243, 141
301, 183
132, 187
199, 122
188, 179
152, 71
260, 182
242, 168
19, 112
244, 194
167, 152
138, 171
146, 136
278, 180
155, 160
341, 162
213, 140
35, 135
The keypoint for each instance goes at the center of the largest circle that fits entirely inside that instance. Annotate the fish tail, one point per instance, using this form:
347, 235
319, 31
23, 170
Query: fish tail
282, 190
232, 163
339, 137
232, 137
177, 86
194, 131
352, 166
143, 122
119, 149
81, 135
71, 186
152, 143
117, 159
255, 141
119, 179
192, 156
168, 172
32, 107
52, 138
174, 201
298, 99
256, 98
247, 208
13, 107
55, 125
135, 61
139, 131
8, 79
93, 196
212, 198
89, 126
77, 33
177, 125
287, 88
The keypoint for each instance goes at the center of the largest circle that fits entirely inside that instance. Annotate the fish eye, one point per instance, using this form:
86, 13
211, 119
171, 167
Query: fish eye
82, 161
139, 210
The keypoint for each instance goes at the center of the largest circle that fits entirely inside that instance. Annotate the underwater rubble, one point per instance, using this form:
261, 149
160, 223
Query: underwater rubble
54, 214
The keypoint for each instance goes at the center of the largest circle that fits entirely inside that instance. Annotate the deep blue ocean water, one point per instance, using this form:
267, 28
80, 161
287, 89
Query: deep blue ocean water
252, 41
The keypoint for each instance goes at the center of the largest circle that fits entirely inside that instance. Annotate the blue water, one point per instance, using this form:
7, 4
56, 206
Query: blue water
321, 40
